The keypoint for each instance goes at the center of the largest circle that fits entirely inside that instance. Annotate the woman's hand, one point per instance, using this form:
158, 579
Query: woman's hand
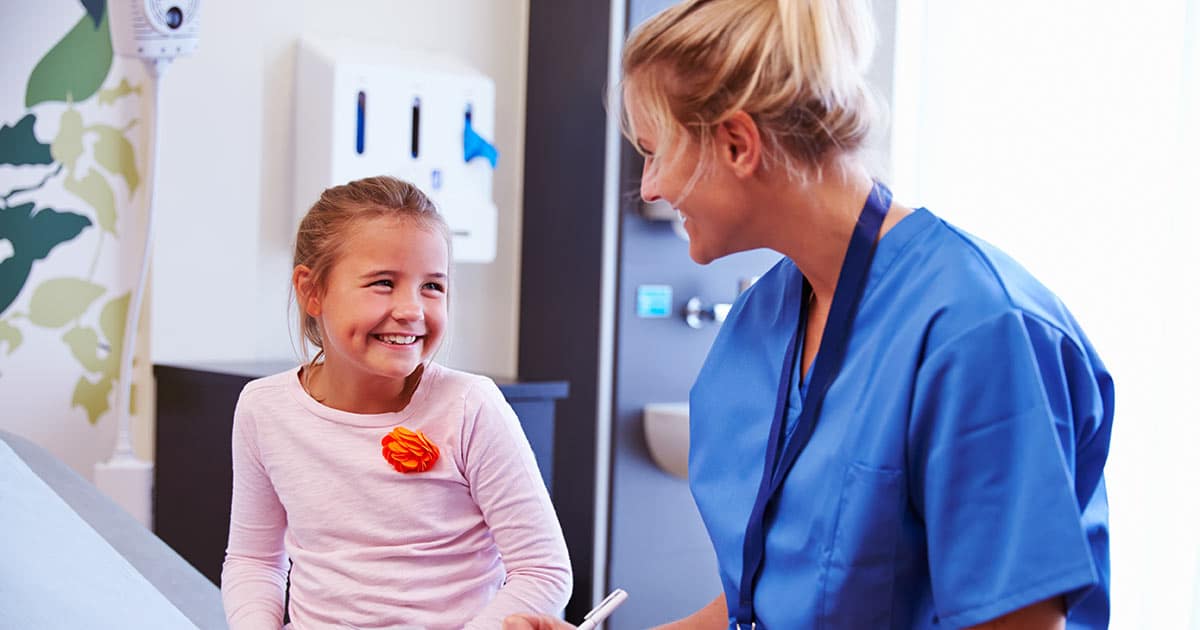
535, 622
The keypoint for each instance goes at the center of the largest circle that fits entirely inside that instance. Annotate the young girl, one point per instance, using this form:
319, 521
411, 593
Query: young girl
403, 493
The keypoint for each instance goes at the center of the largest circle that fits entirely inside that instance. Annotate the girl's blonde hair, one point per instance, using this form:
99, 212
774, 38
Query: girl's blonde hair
328, 223
797, 67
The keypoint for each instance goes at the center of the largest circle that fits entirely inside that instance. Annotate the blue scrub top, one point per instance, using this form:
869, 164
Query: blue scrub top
956, 470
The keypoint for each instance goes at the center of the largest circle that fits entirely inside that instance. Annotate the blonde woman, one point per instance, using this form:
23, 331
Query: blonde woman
898, 426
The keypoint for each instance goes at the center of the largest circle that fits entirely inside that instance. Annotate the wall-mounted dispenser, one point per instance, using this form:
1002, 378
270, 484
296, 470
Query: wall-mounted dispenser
366, 110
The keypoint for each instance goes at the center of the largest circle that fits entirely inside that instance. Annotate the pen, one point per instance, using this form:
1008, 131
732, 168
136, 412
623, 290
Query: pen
602, 610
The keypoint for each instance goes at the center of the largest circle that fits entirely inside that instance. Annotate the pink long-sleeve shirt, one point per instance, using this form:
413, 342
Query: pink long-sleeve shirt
464, 544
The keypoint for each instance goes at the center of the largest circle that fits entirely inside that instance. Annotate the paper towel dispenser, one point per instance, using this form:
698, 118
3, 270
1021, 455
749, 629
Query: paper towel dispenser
364, 110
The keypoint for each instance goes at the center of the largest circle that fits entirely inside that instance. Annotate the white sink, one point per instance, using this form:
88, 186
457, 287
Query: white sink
666, 429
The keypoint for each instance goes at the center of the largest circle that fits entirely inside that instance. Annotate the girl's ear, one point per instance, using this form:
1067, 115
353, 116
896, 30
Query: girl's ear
306, 294
740, 144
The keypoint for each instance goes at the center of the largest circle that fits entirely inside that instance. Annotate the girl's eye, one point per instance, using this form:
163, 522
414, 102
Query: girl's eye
382, 283
433, 286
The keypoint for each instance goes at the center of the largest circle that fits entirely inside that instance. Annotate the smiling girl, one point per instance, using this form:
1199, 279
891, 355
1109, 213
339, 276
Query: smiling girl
403, 493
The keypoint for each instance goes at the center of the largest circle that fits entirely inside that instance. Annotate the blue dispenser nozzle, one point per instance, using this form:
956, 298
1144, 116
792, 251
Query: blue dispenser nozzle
475, 146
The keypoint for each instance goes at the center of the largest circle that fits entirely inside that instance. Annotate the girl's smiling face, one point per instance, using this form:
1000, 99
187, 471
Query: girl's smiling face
383, 308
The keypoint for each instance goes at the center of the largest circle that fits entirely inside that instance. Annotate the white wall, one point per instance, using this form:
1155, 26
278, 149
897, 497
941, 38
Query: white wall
226, 221
1066, 134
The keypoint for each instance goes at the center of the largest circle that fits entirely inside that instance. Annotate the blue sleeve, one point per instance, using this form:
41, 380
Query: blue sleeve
1007, 421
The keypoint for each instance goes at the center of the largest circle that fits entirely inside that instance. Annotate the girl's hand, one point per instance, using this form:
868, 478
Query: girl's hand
535, 622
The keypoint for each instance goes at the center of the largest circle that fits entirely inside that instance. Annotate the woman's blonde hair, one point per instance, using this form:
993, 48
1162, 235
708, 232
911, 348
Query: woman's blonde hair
328, 223
797, 67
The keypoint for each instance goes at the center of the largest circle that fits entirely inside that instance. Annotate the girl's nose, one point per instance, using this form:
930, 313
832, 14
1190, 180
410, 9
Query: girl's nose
408, 309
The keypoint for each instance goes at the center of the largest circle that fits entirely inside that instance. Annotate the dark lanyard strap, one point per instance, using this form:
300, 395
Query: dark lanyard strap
851, 281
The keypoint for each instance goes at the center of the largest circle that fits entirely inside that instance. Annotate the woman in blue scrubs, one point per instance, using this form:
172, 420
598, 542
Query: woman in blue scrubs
897, 426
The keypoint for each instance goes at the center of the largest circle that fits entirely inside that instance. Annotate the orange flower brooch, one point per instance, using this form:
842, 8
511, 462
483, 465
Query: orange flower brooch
409, 451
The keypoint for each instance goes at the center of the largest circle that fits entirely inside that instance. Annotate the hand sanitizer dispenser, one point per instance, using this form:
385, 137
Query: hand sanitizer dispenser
366, 110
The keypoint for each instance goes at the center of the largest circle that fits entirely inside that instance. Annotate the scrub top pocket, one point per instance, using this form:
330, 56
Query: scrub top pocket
860, 565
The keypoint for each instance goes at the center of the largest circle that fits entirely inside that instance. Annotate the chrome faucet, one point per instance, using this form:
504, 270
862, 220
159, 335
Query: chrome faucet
696, 312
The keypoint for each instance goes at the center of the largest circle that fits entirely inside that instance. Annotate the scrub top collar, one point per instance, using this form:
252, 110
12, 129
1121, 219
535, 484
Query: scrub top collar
894, 242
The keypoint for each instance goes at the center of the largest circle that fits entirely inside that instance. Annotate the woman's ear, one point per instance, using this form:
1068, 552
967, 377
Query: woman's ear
306, 294
740, 144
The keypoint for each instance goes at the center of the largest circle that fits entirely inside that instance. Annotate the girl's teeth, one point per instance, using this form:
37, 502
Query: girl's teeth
403, 340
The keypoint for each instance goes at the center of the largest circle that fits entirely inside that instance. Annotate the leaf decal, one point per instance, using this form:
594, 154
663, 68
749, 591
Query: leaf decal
13, 274
15, 222
75, 68
93, 397
112, 326
95, 190
95, 10
19, 146
57, 301
67, 145
11, 335
85, 347
48, 229
84, 344
110, 95
32, 236
115, 153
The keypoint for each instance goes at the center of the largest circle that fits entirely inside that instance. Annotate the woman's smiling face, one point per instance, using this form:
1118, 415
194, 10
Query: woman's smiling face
694, 179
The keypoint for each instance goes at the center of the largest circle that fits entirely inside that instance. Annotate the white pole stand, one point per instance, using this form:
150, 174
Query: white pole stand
124, 478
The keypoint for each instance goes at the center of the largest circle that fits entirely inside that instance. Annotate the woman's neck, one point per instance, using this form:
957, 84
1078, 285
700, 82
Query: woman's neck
812, 223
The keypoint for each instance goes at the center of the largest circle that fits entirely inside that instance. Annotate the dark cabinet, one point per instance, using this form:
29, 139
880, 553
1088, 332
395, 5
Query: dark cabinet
193, 473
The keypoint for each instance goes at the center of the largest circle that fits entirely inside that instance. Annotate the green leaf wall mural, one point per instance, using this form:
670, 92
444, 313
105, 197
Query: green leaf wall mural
100, 358
11, 336
59, 300
32, 237
74, 69
115, 153
110, 96
94, 189
68, 144
95, 10
18, 146
88, 154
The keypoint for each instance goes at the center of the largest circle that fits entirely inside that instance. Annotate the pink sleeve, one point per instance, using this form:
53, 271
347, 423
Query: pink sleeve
254, 575
509, 490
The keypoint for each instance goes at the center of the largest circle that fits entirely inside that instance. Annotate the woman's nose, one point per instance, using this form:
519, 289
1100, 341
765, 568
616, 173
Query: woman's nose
649, 185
